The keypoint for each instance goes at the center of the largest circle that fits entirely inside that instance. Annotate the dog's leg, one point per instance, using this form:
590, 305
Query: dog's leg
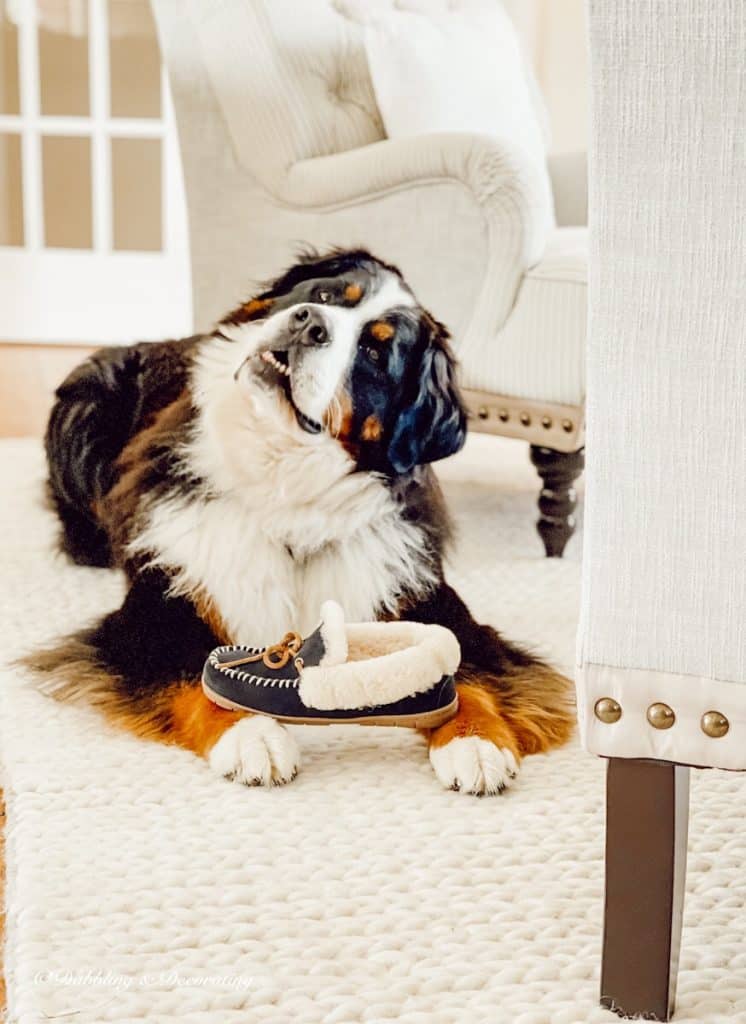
510, 703
140, 668
476, 751
252, 749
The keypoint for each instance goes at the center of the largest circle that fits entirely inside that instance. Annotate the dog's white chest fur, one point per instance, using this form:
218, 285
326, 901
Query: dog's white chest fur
269, 571
284, 524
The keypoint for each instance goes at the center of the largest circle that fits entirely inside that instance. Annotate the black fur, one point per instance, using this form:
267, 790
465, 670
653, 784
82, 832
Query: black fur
154, 637
312, 266
431, 422
98, 407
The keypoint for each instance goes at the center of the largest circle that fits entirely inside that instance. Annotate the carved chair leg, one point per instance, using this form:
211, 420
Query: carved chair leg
647, 812
557, 500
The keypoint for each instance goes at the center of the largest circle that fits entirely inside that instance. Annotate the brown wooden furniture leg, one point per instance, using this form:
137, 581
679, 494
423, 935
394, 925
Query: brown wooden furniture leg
647, 812
557, 500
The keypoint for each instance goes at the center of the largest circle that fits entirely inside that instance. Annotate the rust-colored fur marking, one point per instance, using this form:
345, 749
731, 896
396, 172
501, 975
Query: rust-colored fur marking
178, 713
353, 293
117, 510
338, 421
197, 723
255, 307
382, 331
478, 715
371, 429
529, 710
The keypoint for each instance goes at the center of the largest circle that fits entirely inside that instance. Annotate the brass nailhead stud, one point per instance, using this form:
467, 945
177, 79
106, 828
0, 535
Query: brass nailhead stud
661, 716
546, 422
504, 415
714, 724
607, 710
483, 412
525, 419
567, 426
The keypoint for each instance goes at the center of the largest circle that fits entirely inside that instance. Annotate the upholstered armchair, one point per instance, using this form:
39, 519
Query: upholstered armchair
282, 144
662, 644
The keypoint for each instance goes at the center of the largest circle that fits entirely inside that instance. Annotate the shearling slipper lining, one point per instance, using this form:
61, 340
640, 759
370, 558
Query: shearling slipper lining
333, 633
386, 662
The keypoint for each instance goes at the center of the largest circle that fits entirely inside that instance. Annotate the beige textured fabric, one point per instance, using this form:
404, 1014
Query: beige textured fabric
544, 423
282, 146
540, 350
664, 592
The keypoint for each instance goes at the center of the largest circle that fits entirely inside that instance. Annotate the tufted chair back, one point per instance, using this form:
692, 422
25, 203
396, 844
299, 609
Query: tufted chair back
282, 146
289, 87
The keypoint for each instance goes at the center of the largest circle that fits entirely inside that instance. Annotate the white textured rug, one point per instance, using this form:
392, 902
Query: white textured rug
142, 888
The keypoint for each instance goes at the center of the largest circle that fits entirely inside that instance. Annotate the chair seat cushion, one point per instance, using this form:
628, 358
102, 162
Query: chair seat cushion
539, 353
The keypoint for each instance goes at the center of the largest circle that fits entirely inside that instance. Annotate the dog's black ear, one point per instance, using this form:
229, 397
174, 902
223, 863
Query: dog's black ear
432, 422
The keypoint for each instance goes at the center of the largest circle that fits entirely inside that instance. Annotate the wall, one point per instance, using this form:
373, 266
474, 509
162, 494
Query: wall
554, 35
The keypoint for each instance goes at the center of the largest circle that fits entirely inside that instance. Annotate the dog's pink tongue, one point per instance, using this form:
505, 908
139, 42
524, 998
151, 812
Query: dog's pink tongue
333, 633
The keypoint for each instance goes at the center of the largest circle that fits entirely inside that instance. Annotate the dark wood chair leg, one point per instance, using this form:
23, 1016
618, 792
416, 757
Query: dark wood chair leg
557, 500
647, 814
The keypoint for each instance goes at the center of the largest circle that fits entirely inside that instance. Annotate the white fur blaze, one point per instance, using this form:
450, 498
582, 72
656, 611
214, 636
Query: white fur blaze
256, 751
470, 764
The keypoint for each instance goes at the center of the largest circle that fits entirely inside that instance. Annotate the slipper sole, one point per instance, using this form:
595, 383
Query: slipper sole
422, 720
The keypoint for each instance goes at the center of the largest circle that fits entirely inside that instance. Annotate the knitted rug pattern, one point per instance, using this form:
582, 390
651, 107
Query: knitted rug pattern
142, 888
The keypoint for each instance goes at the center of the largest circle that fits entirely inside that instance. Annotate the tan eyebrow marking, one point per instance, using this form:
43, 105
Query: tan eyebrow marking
382, 331
353, 292
256, 306
371, 429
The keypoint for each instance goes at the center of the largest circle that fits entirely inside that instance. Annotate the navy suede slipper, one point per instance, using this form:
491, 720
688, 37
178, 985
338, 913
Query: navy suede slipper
375, 673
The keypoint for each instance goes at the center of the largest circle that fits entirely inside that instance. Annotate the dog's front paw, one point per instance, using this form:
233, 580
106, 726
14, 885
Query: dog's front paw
471, 764
256, 751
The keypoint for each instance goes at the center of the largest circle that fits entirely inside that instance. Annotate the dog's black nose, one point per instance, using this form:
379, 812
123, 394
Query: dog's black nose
309, 326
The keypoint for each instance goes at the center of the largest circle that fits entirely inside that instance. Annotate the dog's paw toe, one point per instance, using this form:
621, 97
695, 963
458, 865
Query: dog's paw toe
471, 764
256, 751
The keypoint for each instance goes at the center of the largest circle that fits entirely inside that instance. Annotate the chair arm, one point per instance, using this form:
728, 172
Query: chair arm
569, 175
510, 192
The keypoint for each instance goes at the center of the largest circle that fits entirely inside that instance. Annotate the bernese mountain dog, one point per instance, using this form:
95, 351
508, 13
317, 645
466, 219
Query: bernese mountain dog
242, 477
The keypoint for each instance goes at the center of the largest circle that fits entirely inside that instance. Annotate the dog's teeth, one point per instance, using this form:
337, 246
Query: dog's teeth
269, 357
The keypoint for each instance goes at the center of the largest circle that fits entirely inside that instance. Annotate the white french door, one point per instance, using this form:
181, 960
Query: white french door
89, 281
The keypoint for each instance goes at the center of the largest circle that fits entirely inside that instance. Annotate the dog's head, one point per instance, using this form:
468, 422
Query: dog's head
343, 340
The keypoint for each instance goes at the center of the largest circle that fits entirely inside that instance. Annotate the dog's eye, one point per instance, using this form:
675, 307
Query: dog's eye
323, 295
373, 354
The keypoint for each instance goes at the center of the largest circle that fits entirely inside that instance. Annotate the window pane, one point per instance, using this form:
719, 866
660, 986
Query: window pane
9, 103
136, 188
11, 194
135, 60
67, 192
63, 59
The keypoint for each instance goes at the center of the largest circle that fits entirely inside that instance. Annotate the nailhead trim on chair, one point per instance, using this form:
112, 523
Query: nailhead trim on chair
713, 723
560, 427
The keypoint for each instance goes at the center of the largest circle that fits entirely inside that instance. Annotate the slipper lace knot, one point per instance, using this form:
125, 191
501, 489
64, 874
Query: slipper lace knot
274, 656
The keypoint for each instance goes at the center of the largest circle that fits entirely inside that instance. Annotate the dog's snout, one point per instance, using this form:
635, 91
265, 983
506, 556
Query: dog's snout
309, 326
